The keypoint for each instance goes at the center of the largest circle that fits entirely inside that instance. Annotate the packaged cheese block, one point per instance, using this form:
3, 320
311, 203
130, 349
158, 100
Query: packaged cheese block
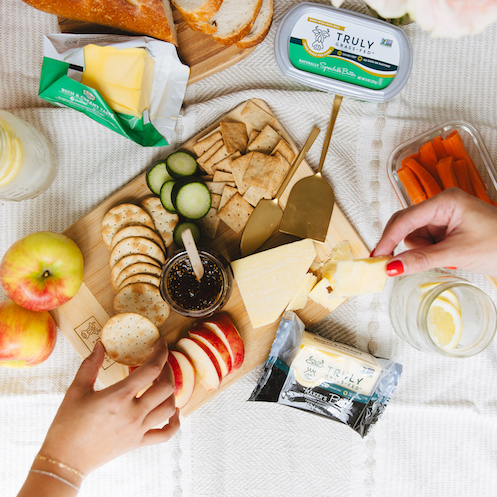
360, 276
122, 77
268, 280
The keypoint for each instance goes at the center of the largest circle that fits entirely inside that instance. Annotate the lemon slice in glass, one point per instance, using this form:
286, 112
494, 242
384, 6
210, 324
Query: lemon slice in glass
445, 323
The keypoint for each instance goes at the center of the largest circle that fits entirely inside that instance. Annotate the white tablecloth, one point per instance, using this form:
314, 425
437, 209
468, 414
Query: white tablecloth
438, 436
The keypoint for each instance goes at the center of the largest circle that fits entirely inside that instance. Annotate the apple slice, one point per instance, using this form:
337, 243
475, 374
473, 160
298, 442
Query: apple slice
215, 344
222, 326
184, 377
203, 360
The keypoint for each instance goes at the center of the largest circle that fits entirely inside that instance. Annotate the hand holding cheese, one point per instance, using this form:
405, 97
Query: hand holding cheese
452, 229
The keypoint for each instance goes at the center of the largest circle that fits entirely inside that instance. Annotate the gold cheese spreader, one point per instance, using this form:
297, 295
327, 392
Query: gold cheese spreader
310, 203
267, 214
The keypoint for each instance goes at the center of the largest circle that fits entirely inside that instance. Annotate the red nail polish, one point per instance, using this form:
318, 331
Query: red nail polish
395, 268
450, 267
372, 253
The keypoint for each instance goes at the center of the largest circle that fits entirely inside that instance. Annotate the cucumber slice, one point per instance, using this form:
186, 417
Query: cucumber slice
191, 198
181, 164
166, 196
180, 227
157, 175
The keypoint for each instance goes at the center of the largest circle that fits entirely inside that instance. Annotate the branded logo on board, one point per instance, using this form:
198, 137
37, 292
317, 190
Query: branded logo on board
89, 332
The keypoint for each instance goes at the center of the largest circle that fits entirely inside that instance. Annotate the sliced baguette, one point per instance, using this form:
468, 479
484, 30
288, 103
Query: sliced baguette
197, 11
260, 28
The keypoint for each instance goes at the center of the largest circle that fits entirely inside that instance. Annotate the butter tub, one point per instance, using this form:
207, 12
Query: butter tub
343, 52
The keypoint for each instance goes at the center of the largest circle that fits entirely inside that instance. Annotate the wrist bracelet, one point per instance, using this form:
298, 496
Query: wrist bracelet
61, 465
57, 477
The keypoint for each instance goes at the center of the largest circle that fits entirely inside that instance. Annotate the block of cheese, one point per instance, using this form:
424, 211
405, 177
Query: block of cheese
360, 276
340, 252
268, 280
321, 294
122, 77
299, 300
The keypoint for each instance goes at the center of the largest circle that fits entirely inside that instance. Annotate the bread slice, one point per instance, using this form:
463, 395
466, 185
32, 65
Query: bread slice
197, 11
260, 28
149, 17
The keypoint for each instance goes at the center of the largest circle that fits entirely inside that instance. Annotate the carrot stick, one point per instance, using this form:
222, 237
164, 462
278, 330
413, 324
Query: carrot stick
445, 168
430, 186
476, 182
439, 148
462, 175
411, 184
412, 156
428, 159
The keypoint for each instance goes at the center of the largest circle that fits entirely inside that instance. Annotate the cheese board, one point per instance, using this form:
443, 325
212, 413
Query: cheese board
199, 51
81, 319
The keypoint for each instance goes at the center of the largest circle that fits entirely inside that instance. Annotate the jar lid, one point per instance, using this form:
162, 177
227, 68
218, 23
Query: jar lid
343, 52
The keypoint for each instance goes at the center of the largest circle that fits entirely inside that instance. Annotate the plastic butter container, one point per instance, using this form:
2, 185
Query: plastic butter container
472, 142
343, 52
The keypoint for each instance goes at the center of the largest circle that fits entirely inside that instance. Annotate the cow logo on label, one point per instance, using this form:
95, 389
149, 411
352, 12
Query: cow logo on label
89, 332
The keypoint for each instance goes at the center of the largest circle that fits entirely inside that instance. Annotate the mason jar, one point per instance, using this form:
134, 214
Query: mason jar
421, 303
27, 167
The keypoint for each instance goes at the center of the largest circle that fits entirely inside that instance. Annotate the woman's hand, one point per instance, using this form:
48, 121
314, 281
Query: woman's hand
93, 427
452, 229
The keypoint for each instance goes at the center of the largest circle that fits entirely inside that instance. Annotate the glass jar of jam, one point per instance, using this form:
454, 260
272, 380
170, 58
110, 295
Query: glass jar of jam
189, 297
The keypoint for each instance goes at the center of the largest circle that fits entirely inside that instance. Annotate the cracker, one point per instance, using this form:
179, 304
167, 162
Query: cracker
210, 152
128, 261
236, 212
138, 268
129, 338
252, 136
254, 194
209, 223
218, 156
121, 216
266, 140
136, 245
284, 149
234, 136
215, 200
144, 299
142, 231
164, 221
223, 177
225, 164
217, 187
238, 168
279, 171
140, 278
228, 192
205, 143
255, 116
266, 172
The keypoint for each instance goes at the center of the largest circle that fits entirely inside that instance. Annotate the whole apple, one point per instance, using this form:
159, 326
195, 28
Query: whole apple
42, 271
27, 338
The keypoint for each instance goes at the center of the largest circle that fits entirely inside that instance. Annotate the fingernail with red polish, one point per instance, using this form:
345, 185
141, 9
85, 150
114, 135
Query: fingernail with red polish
372, 253
395, 268
450, 267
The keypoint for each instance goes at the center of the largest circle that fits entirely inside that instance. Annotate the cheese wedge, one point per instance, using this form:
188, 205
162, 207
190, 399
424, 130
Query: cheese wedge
360, 276
269, 280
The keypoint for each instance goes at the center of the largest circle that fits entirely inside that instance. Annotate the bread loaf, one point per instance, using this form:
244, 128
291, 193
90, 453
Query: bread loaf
197, 11
260, 28
149, 17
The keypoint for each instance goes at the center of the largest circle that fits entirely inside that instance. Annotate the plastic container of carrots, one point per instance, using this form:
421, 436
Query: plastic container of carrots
452, 154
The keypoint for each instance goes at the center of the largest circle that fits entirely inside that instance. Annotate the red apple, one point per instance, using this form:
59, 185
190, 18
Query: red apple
42, 271
27, 338
184, 377
204, 362
223, 327
215, 344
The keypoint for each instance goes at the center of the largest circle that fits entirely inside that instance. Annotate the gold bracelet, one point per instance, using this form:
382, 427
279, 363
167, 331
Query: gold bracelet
61, 465
53, 475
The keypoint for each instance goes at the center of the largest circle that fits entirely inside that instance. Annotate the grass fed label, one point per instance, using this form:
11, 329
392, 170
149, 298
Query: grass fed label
347, 52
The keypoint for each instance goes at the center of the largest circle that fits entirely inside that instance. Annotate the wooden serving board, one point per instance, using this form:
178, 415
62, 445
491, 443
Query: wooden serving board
82, 318
199, 51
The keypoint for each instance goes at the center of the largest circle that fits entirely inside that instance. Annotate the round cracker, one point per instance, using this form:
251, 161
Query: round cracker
127, 261
121, 216
137, 230
129, 338
164, 221
138, 268
136, 245
140, 278
144, 299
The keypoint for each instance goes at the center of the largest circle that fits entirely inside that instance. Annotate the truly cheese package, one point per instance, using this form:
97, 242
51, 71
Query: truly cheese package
332, 379
132, 85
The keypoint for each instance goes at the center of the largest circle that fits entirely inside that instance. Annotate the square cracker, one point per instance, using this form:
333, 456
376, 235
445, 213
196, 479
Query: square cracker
254, 194
255, 116
217, 187
284, 149
209, 223
206, 142
218, 156
253, 136
234, 136
266, 171
266, 140
238, 168
228, 192
236, 212
225, 164
223, 176
210, 152
215, 200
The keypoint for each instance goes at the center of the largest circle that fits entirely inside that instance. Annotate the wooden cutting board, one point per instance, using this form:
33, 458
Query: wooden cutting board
199, 51
82, 318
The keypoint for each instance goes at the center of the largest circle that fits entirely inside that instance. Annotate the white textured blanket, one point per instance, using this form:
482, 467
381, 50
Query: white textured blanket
438, 436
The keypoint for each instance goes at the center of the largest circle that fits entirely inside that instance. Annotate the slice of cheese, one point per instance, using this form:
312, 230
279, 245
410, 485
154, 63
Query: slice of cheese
299, 300
340, 252
321, 294
268, 280
122, 77
360, 276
